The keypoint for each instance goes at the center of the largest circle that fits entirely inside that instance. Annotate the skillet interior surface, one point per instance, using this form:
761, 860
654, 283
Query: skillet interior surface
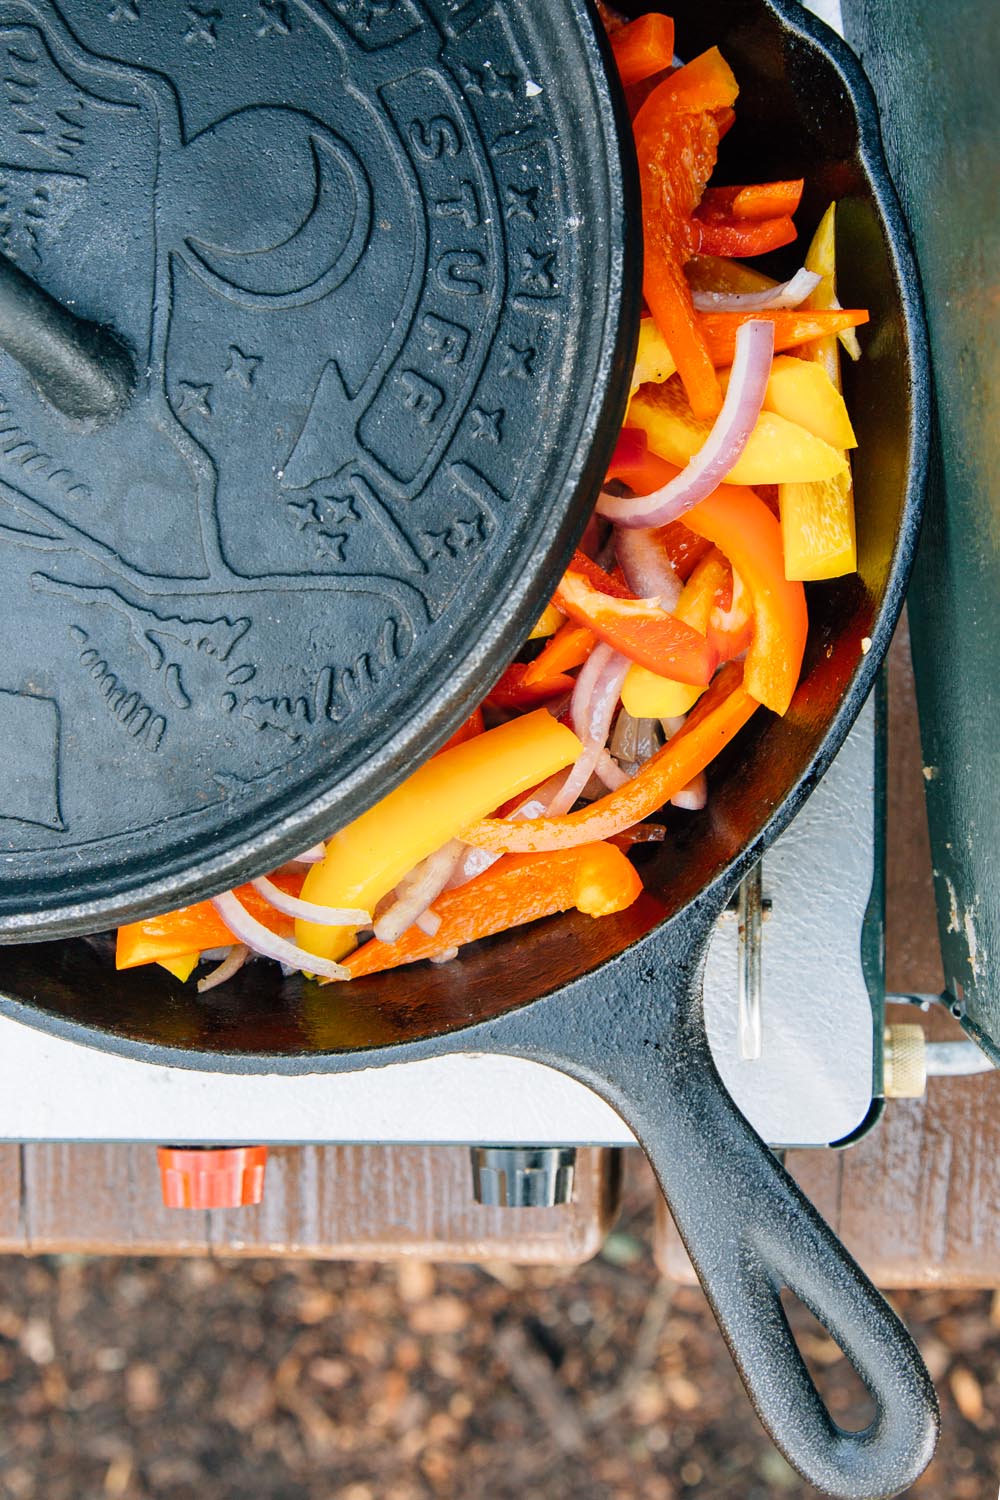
802, 111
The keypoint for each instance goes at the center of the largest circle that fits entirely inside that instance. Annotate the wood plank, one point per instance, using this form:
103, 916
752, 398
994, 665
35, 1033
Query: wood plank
388, 1203
103, 1200
331, 1202
11, 1222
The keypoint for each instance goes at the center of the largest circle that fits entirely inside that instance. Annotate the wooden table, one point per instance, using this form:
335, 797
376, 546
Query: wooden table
918, 1201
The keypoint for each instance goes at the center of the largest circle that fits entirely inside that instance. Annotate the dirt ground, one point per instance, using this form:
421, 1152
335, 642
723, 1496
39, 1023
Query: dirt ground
260, 1380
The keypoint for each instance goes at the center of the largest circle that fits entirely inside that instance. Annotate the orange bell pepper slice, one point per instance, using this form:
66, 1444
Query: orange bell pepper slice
192, 929
719, 715
791, 327
643, 47
596, 879
638, 629
739, 523
761, 200
568, 648
677, 138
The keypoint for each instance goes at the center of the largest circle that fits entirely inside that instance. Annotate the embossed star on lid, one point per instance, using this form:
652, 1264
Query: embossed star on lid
288, 294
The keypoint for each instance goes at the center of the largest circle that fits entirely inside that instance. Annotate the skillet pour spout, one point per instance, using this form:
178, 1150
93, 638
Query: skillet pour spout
617, 1003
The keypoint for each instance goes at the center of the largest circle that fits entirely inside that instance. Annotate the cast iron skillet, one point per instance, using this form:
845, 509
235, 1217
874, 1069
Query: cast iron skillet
617, 1003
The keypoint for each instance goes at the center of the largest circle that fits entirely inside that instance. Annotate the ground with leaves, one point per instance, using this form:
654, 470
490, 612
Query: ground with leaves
312, 1381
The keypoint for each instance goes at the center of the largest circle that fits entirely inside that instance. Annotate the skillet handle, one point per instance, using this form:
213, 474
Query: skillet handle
747, 1227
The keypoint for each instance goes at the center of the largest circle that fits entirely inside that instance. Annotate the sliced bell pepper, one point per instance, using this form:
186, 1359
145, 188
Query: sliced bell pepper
643, 47
716, 718
821, 257
744, 237
730, 623
713, 273
596, 879
548, 623
638, 629
792, 327
777, 451
761, 200
181, 968
676, 138
568, 648
654, 695
817, 528
371, 855
742, 527
801, 391
704, 84
514, 690
191, 929
655, 363
473, 725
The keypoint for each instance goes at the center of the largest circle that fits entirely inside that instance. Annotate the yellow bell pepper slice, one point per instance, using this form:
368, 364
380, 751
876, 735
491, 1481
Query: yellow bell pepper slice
369, 857
801, 390
654, 362
821, 258
548, 622
817, 529
777, 451
181, 968
716, 273
817, 519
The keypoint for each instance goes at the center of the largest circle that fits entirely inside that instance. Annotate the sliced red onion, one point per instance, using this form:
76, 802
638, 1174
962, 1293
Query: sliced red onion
610, 773
417, 890
230, 965
309, 911
692, 798
595, 695
473, 862
311, 856
246, 929
445, 956
646, 567
788, 294
723, 446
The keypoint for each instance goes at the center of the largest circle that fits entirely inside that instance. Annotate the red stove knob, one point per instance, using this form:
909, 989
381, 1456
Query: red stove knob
210, 1176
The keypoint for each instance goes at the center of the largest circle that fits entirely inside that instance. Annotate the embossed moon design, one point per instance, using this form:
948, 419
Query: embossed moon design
311, 208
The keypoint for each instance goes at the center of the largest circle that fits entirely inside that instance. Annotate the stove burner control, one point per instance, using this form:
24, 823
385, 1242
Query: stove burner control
212, 1176
523, 1176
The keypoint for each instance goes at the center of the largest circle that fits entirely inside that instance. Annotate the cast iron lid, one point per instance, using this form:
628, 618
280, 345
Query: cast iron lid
315, 330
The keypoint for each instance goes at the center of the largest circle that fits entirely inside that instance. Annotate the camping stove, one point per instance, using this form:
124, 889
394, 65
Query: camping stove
793, 1006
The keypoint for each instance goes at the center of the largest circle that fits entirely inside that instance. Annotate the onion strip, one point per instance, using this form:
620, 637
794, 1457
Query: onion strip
723, 446
246, 929
786, 294
309, 911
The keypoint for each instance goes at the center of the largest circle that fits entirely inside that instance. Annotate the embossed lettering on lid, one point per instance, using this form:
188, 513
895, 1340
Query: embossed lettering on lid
315, 323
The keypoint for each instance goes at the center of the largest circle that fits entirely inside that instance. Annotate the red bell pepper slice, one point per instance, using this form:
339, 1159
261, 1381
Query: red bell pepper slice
513, 692
676, 138
739, 238
638, 629
472, 726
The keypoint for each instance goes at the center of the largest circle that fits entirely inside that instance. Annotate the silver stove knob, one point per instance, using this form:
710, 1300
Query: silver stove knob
523, 1176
